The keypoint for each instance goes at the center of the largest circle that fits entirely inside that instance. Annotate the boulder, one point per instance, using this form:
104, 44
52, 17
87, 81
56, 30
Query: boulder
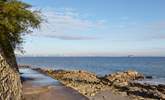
78, 76
122, 77
161, 88
148, 77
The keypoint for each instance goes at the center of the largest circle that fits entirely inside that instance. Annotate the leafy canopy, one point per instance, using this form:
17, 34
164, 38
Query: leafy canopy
16, 19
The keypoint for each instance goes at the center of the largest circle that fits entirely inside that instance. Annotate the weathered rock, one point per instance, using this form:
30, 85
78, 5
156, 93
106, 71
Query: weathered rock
121, 83
161, 88
146, 93
148, 77
124, 76
146, 90
79, 76
85, 82
23, 66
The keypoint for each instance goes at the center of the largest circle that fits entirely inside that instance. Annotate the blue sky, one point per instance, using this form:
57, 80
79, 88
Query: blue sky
98, 28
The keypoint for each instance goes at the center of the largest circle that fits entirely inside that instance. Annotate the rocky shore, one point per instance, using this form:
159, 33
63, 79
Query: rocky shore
123, 83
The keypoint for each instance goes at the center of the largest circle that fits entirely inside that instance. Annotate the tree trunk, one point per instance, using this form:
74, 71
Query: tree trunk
10, 83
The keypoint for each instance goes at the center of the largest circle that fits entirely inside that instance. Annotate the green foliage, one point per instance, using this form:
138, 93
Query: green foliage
16, 19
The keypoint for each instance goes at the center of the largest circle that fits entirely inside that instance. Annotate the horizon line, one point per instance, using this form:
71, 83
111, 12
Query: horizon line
86, 56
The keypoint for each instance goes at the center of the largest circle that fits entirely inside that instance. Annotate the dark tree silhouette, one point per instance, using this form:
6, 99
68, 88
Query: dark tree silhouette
16, 19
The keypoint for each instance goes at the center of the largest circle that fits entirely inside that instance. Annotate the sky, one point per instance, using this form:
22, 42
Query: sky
98, 28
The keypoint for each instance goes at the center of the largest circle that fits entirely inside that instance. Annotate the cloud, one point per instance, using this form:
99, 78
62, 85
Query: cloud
67, 24
69, 37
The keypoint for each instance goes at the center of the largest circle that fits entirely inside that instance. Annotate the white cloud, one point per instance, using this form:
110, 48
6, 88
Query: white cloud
67, 23
69, 37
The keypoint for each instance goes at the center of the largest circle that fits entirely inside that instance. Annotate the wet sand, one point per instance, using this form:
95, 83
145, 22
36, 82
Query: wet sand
63, 93
51, 93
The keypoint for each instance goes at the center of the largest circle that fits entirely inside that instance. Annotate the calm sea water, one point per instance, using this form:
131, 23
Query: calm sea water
154, 66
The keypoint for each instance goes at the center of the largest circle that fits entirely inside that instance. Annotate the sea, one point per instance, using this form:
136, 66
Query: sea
149, 66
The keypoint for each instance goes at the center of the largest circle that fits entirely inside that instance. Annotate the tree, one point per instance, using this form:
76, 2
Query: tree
16, 19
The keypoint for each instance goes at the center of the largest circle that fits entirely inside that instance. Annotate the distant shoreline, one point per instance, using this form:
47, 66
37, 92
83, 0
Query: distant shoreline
99, 56
151, 66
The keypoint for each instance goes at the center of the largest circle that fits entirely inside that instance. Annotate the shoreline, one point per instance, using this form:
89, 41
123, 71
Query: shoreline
38, 86
120, 84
